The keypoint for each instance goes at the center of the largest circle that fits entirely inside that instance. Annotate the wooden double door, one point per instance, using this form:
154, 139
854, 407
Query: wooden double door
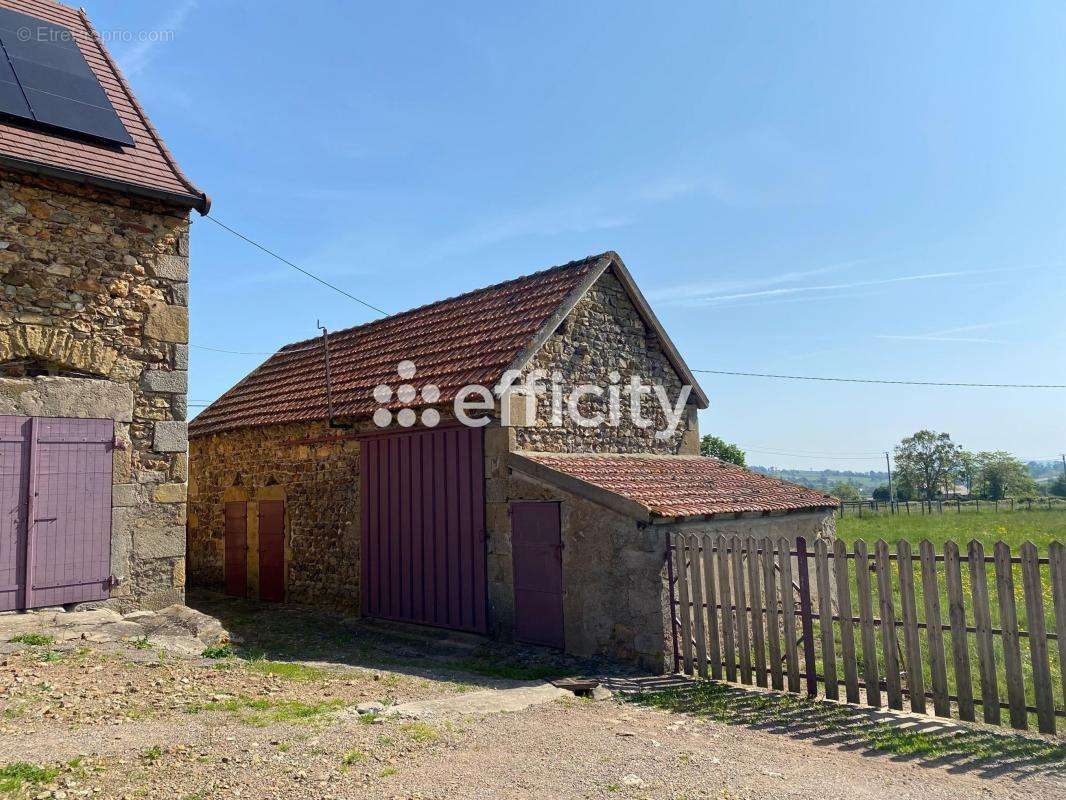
271, 549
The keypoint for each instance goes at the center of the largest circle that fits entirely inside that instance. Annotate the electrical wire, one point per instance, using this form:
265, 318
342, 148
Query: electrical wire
285, 261
888, 381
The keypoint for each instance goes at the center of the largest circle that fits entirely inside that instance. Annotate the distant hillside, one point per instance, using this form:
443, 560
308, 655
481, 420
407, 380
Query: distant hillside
866, 482
826, 479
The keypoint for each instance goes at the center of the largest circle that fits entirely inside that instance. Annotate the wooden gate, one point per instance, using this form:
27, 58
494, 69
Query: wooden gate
423, 531
55, 511
887, 624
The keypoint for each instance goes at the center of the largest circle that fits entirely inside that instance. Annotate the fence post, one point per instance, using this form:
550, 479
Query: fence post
673, 599
805, 616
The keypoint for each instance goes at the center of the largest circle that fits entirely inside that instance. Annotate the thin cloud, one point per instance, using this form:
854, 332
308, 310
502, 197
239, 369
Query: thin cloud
697, 299
140, 55
686, 291
950, 335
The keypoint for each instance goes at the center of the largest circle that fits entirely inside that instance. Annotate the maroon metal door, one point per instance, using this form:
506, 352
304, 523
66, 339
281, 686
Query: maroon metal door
537, 556
272, 550
236, 548
423, 537
55, 511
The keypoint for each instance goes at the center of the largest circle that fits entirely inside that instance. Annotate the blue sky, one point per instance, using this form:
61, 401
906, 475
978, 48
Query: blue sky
816, 189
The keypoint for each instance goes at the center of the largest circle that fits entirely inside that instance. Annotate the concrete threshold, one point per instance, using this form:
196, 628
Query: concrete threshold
487, 701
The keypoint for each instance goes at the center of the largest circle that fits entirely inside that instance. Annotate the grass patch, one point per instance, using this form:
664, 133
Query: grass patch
33, 639
263, 712
152, 754
814, 720
512, 671
21, 776
387, 772
288, 670
217, 651
353, 757
419, 731
140, 643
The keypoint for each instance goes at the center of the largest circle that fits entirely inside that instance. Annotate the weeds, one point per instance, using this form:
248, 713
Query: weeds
217, 651
420, 731
34, 640
21, 775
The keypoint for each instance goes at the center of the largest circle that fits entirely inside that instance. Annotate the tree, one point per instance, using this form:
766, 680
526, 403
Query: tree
1058, 486
719, 448
925, 461
845, 491
968, 468
882, 493
1002, 475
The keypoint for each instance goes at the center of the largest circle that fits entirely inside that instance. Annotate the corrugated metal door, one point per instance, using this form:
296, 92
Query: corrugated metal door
423, 553
55, 502
272, 550
537, 556
236, 544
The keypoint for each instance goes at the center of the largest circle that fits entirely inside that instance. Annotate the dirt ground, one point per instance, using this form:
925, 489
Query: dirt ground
82, 719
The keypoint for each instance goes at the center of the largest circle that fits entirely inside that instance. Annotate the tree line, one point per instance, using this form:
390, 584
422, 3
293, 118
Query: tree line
930, 466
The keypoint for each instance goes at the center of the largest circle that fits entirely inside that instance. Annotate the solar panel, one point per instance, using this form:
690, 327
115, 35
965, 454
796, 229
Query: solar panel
44, 77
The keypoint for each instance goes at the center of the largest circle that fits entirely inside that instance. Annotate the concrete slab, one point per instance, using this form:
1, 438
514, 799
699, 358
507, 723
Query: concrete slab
489, 701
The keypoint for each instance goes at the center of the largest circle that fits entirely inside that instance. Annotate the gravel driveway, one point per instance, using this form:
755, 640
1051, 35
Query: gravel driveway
91, 720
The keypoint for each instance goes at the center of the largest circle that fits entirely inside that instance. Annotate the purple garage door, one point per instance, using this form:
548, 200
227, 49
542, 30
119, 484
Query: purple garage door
537, 556
55, 511
423, 541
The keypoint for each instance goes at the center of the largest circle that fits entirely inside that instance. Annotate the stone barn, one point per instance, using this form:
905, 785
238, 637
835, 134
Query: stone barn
505, 462
94, 253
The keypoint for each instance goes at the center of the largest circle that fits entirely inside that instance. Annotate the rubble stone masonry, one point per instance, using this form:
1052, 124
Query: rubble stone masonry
315, 471
94, 323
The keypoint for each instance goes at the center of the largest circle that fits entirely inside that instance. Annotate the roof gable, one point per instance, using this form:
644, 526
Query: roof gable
147, 168
470, 339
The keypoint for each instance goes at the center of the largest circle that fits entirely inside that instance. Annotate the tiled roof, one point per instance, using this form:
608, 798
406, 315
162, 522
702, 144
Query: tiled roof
683, 486
145, 168
469, 339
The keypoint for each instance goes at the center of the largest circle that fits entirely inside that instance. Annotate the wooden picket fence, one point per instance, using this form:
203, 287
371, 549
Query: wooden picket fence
780, 615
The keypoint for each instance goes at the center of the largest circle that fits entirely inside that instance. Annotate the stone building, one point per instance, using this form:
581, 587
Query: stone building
94, 293
535, 508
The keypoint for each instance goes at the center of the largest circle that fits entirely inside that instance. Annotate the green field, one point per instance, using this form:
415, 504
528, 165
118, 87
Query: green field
1013, 527
1041, 527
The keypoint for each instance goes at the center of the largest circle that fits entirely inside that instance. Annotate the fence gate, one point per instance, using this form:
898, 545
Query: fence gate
889, 624
55, 511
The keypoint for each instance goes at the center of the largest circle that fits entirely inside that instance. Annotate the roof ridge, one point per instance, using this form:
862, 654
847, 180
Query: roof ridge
491, 287
205, 202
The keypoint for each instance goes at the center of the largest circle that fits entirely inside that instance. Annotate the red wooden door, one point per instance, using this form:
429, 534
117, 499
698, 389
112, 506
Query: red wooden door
272, 550
423, 531
236, 548
536, 553
55, 510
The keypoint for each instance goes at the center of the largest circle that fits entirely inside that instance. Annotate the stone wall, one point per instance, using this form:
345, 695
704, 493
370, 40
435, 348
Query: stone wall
94, 323
604, 341
615, 598
315, 471
812, 525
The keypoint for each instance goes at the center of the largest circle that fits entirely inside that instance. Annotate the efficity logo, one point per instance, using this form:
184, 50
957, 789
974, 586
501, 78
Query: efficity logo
586, 405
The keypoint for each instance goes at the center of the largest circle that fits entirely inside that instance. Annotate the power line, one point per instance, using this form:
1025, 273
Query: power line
887, 381
285, 261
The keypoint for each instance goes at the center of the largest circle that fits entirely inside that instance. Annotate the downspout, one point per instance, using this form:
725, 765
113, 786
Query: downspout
329, 388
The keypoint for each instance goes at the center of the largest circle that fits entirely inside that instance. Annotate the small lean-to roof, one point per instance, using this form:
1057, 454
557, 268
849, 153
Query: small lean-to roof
470, 339
671, 486
146, 168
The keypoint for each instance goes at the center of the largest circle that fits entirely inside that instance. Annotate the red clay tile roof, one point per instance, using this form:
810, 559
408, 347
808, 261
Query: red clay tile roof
146, 168
469, 339
684, 486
